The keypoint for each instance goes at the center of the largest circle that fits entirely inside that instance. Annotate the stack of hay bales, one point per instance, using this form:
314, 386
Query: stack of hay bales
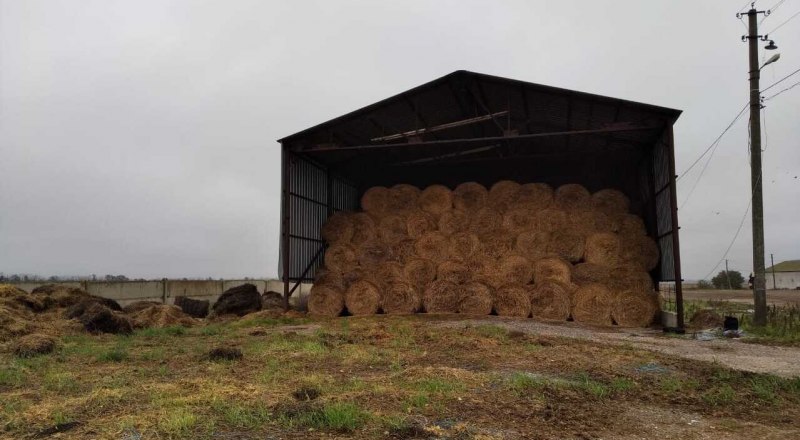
512, 249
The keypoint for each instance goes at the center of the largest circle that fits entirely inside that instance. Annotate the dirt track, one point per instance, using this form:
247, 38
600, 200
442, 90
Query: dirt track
777, 297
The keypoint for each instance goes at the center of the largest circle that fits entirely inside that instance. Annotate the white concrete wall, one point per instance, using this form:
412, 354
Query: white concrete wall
784, 280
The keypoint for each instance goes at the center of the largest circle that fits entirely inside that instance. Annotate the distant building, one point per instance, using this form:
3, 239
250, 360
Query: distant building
787, 275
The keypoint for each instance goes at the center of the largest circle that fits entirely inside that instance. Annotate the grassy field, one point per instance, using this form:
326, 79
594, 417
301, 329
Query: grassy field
377, 377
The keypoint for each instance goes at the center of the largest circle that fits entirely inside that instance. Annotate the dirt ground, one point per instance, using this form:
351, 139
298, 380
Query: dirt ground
400, 377
776, 297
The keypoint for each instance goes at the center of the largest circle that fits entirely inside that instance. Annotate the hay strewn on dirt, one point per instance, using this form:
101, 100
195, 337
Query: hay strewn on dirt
160, 316
442, 250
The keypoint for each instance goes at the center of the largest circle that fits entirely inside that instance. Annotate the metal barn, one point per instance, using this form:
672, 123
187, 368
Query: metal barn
468, 126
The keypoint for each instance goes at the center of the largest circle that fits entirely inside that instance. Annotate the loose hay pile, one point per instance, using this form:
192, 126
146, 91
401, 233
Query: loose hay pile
511, 249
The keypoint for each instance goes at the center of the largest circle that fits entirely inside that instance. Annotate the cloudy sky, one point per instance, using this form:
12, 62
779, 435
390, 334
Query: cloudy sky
138, 137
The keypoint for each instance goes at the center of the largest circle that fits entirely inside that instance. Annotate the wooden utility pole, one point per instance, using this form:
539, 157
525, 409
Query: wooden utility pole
772, 260
728, 275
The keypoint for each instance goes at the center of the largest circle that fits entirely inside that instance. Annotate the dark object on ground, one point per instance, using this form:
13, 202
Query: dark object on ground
239, 300
79, 308
676, 330
33, 345
731, 323
705, 318
225, 354
97, 318
195, 308
271, 301
57, 295
55, 429
139, 306
305, 393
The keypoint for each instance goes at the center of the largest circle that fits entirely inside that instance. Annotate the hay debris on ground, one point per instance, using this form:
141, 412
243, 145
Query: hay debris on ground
196, 308
550, 299
97, 318
34, 344
160, 316
137, 306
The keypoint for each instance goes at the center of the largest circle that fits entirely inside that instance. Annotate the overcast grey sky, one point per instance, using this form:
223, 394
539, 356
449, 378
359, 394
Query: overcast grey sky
138, 137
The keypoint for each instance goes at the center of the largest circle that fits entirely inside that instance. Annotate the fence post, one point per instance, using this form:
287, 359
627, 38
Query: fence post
163, 290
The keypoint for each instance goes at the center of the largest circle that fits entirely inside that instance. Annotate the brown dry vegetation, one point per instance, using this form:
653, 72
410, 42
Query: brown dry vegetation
379, 377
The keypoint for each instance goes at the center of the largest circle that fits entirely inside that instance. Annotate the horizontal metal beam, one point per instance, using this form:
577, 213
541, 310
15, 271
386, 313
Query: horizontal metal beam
611, 129
440, 127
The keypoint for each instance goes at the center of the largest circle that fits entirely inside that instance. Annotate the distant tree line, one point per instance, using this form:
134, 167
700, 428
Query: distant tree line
731, 279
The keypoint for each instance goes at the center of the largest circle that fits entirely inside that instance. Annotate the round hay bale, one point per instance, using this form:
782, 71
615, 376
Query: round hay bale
420, 272
638, 251
550, 300
376, 200
610, 201
592, 304
515, 269
603, 248
403, 197
512, 300
372, 253
503, 194
626, 278
433, 246
453, 271
630, 225
470, 196
537, 195
453, 221
552, 269
634, 308
330, 279
604, 222
358, 273
33, 345
392, 229
362, 298
532, 244
364, 228
567, 243
520, 218
485, 220
441, 297
436, 200
572, 197
464, 246
404, 251
390, 272
549, 220
401, 298
497, 244
337, 229
476, 299
325, 301
340, 257
418, 223
588, 273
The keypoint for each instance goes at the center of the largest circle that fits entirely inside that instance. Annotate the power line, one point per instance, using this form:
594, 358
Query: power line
771, 9
784, 90
716, 141
699, 176
781, 25
780, 80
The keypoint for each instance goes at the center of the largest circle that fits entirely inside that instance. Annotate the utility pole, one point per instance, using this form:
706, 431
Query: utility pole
728, 275
772, 261
759, 283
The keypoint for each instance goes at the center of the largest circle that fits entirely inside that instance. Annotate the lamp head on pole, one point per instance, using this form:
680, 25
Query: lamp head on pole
771, 45
772, 59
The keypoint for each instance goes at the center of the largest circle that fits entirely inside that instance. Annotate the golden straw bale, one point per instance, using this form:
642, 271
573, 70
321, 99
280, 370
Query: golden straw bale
469, 196
331, 279
497, 244
453, 271
589, 222
464, 246
476, 299
324, 300
403, 197
418, 223
362, 298
453, 221
360, 274
610, 201
630, 225
538, 195
514, 269
364, 228
628, 278
404, 250
433, 246
392, 229
485, 220
550, 300
338, 228
419, 272
372, 253
604, 222
340, 257
533, 244
436, 200
567, 243
390, 272
519, 218
401, 298
573, 197
592, 304
588, 273
441, 297
552, 269
635, 308
376, 200
550, 219
603, 248
512, 300
503, 194
638, 251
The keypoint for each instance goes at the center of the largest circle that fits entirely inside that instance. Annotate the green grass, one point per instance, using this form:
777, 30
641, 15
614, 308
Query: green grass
718, 396
492, 331
522, 383
178, 423
337, 416
117, 353
60, 382
242, 416
436, 385
783, 325
12, 375
152, 332
597, 389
